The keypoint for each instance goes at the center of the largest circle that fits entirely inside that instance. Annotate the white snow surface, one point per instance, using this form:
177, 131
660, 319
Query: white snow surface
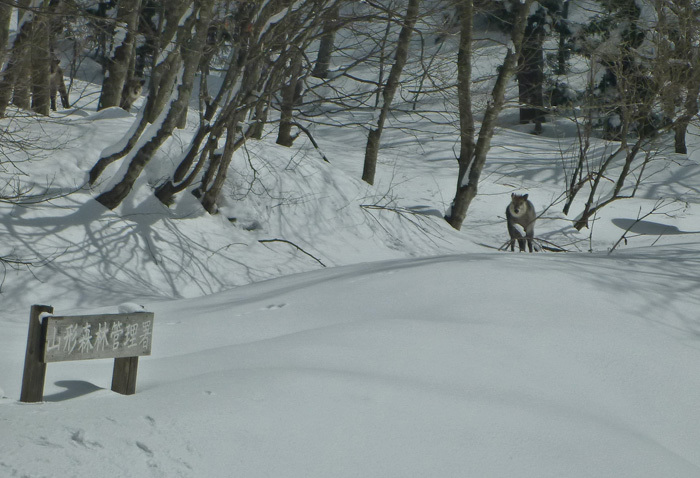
415, 351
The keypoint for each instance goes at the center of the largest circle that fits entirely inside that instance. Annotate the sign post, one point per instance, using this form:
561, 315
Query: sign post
123, 337
34, 366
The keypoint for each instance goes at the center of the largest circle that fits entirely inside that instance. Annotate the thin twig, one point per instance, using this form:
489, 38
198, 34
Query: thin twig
551, 247
307, 132
297, 247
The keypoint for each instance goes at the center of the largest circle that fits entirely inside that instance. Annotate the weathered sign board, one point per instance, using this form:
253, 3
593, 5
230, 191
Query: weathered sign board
84, 337
123, 337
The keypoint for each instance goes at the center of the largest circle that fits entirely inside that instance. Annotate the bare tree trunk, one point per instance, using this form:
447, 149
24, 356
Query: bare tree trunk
531, 72
164, 73
40, 62
191, 39
262, 108
155, 102
181, 179
690, 112
289, 100
163, 78
216, 174
162, 85
470, 167
219, 170
389, 90
464, 92
563, 30
118, 66
5, 17
17, 67
325, 48
21, 94
244, 88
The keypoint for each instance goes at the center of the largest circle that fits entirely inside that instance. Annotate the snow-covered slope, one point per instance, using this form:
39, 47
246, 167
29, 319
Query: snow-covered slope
470, 365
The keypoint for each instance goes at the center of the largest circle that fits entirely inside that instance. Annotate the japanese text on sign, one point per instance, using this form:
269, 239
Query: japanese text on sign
98, 336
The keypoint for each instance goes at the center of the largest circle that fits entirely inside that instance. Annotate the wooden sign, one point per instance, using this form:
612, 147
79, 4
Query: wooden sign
123, 337
84, 337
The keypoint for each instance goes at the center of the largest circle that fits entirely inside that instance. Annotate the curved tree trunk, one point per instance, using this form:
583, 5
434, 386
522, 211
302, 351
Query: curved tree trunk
207, 130
163, 78
190, 43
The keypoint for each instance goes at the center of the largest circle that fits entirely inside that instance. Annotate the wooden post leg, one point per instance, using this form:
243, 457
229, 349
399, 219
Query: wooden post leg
124, 375
34, 366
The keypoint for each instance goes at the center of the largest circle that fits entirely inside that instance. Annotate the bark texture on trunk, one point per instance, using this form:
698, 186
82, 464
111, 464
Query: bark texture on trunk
119, 64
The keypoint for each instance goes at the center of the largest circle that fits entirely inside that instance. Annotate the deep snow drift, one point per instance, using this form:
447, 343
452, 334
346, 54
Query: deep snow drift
470, 365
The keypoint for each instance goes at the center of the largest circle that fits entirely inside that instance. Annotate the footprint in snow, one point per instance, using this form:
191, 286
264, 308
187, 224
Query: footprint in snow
144, 448
275, 306
79, 438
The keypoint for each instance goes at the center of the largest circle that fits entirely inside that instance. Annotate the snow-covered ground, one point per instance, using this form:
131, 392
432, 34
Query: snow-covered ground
363, 337
483, 364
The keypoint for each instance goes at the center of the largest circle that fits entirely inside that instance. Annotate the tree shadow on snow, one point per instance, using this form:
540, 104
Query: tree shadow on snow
103, 254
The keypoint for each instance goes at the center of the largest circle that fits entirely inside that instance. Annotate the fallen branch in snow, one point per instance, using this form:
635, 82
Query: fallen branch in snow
294, 245
306, 131
542, 244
